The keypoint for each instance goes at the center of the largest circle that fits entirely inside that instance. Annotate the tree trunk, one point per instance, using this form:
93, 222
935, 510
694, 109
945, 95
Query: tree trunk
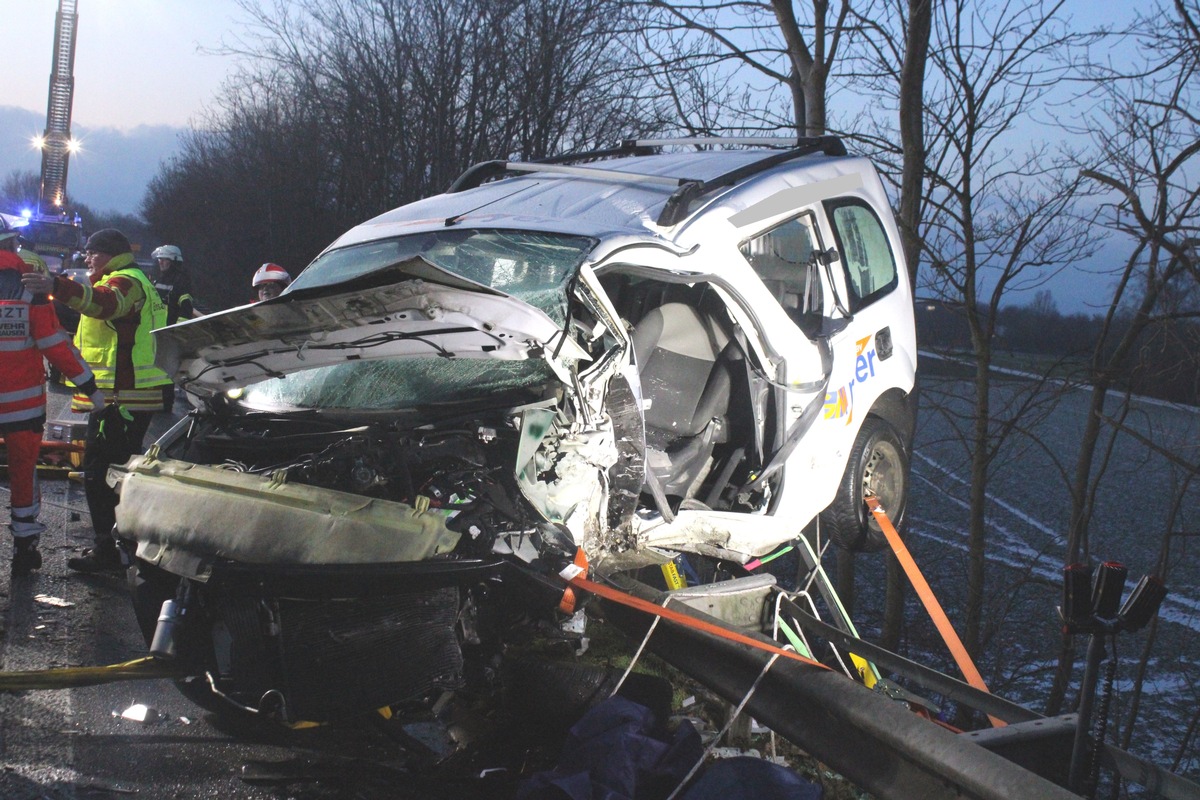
893, 609
798, 107
912, 130
813, 87
1077, 548
976, 530
809, 70
1080, 513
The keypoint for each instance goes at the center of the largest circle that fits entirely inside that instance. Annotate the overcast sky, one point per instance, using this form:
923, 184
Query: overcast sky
141, 77
137, 62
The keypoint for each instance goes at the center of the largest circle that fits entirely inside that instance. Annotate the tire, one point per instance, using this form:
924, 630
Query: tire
554, 695
878, 462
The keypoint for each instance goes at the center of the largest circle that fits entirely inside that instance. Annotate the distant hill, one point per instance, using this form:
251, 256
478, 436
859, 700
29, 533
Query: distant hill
109, 174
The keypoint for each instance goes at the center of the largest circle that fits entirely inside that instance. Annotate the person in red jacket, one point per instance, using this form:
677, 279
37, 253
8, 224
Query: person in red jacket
29, 330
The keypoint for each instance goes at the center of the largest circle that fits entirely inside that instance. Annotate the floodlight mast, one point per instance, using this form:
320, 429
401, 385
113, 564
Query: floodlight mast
56, 143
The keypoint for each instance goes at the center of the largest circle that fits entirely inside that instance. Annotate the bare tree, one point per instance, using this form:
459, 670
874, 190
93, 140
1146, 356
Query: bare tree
890, 63
912, 129
19, 191
1148, 147
998, 219
342, 110
765, 41
417, 92
996, 211
786, 54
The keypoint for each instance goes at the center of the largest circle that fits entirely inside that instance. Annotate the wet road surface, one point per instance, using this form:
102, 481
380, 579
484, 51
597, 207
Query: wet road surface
73, 743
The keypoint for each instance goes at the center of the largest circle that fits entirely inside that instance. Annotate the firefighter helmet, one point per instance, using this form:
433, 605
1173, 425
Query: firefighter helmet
7, 231
271, 273
168, 251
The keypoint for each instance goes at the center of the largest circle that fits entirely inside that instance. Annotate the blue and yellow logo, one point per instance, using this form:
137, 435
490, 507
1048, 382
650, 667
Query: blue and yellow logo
840, 403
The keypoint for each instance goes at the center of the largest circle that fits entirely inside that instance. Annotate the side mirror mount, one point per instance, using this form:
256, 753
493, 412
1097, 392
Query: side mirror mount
827, 257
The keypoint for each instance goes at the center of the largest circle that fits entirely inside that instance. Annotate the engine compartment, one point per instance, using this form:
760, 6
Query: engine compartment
258, 496
461, 469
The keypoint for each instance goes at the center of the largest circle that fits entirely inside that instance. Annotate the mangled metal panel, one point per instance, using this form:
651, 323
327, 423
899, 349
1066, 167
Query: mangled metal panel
178, 511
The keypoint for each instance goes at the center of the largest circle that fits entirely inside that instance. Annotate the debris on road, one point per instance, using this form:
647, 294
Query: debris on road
140, 712
56, 602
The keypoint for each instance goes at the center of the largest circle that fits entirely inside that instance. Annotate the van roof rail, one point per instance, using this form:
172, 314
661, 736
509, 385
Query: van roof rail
687, 189
830, 145
486, 170
678, 204
757, 141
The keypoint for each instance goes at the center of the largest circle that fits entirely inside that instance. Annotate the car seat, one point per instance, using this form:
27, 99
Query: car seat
684, 360
795, 286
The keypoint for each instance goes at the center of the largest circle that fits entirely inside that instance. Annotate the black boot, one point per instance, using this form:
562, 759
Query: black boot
101, 558
26, 557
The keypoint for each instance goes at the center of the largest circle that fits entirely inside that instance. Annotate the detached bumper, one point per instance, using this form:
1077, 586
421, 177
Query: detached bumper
186, 517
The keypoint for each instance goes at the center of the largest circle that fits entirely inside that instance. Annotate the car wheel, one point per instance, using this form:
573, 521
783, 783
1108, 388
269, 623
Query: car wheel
228, 716
554, 695
878, 465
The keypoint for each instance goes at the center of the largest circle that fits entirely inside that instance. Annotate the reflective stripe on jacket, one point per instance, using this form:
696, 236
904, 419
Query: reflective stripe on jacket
118, 314
29, 330
31, 258
173, 287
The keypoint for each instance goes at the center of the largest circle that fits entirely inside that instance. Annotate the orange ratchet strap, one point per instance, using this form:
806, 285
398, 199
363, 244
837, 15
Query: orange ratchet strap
577, 567
940, 620
69, 447
574, 575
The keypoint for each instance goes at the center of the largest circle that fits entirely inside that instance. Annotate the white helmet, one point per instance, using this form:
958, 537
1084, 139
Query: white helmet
168, 251
6, 232
271, 273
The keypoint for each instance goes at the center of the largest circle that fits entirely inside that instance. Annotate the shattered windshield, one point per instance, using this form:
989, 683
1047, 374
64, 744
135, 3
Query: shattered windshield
533, 267
397, 385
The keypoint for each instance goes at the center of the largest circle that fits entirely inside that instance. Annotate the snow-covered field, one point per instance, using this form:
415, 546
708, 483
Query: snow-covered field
1027, 517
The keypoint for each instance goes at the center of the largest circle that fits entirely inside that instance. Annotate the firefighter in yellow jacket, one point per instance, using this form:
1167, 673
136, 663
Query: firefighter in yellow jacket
118, 310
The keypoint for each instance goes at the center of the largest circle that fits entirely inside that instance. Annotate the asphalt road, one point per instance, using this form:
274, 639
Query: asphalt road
69, 743
73, 743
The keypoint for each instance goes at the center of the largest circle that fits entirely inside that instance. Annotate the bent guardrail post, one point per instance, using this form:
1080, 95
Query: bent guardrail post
874, 742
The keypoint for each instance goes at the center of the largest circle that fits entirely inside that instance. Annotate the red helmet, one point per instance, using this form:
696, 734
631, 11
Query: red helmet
271, 273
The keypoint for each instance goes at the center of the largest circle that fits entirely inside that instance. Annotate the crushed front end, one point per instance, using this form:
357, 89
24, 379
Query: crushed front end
381, 478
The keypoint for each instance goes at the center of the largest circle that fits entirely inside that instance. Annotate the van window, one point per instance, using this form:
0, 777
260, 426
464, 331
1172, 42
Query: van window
866, 254
783, 259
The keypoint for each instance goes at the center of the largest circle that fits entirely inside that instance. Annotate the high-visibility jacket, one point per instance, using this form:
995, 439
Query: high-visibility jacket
117, 314
31, 258
29, 330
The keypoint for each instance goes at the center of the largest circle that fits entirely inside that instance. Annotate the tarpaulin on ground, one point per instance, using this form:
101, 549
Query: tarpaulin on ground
618, 752
751, 779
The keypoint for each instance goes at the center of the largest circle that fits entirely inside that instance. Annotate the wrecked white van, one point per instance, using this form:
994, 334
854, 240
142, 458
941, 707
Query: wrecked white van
646, 355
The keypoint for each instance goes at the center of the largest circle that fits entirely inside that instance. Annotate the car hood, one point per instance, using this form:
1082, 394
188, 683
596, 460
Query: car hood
305, 330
